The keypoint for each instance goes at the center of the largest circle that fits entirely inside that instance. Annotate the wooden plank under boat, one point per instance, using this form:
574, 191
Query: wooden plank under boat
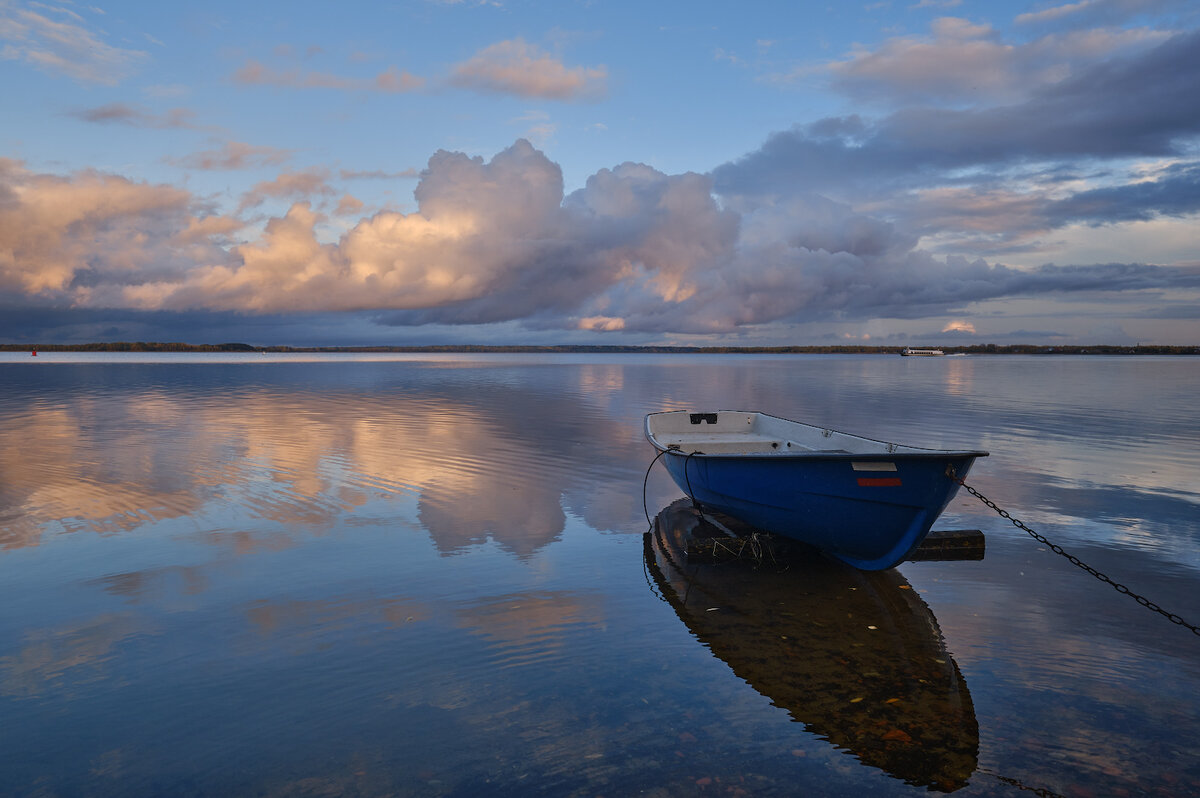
868, 503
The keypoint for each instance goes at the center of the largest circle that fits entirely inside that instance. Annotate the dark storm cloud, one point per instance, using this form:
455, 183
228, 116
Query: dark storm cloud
1176, 193
1175, 312
998, 218
1137, 106
802, 285
22, 324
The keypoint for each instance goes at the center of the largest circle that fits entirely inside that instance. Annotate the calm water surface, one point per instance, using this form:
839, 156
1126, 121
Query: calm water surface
429, 575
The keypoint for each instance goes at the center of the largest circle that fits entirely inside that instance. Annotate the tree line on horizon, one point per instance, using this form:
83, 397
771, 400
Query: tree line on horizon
973, 349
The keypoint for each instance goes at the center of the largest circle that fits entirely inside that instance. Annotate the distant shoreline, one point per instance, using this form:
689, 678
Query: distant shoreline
974, 349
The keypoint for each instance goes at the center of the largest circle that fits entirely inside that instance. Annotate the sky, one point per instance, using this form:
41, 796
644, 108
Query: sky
939, 172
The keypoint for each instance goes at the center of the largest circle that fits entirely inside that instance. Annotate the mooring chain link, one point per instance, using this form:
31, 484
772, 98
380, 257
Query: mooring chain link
1120, 588
1043, 792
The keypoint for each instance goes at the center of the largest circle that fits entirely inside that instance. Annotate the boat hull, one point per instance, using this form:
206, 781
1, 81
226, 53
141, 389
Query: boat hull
869, 510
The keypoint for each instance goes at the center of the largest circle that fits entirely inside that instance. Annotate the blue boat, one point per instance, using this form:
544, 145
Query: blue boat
868, 503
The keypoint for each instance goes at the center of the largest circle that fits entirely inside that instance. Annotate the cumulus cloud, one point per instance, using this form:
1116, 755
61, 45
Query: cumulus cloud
58, 40
516, 67
633, 251
87, 236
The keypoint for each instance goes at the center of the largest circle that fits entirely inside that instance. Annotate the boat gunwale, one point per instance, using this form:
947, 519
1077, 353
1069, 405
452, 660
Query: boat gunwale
928, 454
908, 453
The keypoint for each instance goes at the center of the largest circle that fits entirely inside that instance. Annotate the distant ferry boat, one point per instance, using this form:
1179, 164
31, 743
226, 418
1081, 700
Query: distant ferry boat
910, 352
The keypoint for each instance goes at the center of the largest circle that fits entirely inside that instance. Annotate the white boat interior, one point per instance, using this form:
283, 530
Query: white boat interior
741, 432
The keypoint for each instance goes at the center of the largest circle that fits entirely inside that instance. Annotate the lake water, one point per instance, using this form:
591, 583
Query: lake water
424, 575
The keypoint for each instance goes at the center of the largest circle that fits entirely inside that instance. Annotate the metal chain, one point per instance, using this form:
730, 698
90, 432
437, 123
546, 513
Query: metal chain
1039, 791
1120, 588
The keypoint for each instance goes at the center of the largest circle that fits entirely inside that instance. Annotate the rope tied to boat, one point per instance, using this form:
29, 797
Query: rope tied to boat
1120, 588
646, 482
688, 479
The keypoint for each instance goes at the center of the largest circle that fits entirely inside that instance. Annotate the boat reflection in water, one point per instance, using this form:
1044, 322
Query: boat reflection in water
855, 656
